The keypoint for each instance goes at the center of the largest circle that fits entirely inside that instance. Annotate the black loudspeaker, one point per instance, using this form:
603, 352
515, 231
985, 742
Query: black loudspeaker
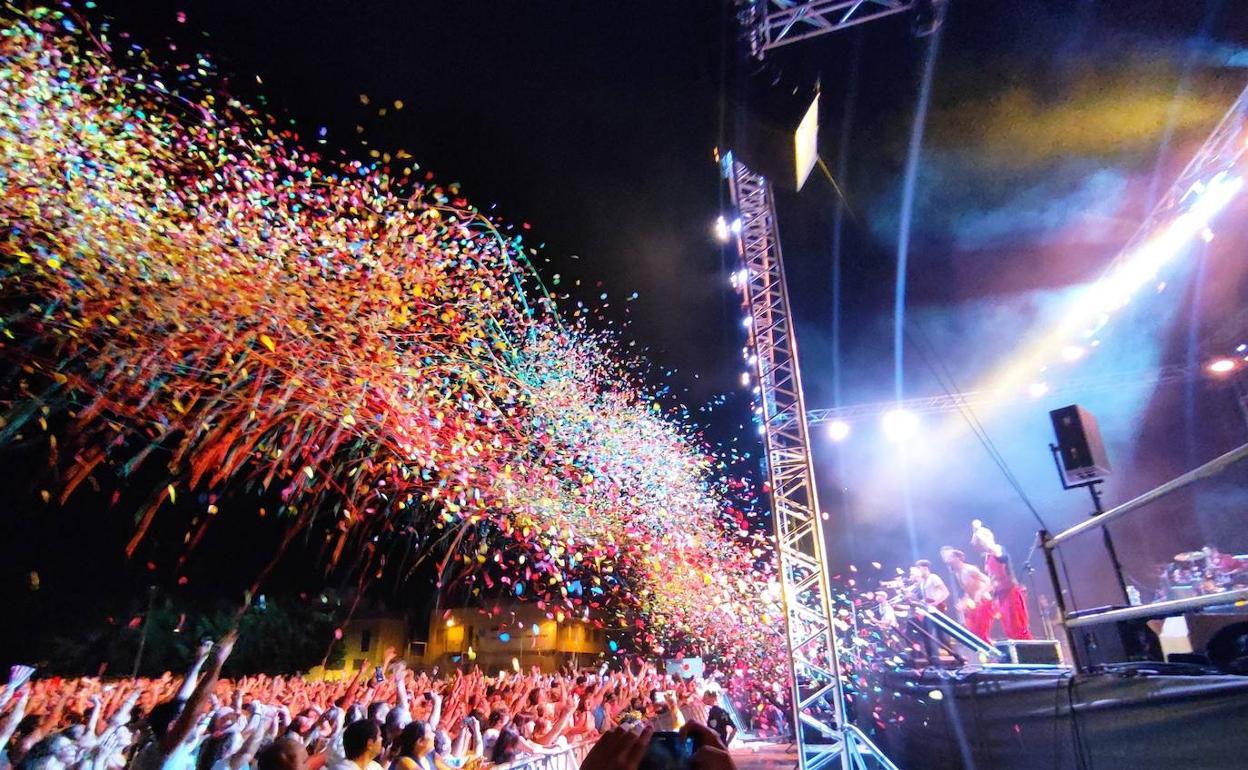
1228, 649
1123, 641
1079, 441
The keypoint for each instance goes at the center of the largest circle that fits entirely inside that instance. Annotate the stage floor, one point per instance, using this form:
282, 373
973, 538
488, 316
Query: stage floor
1050, 717
763, 755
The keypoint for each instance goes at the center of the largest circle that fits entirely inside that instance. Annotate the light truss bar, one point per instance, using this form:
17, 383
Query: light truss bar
1223, 150
774, 23
818, 698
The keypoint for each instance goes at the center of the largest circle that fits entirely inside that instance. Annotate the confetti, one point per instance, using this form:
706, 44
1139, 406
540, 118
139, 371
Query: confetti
182, 273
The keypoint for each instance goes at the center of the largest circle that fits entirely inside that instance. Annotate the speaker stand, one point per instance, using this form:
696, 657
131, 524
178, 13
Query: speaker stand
1097, 510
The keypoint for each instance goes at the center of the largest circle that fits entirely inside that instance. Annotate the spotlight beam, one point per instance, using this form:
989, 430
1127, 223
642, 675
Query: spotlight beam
958, 401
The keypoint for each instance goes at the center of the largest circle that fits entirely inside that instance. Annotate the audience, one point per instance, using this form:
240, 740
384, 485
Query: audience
403, 721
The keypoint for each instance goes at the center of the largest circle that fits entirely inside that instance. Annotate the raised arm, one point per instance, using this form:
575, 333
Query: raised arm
261, 721
15, 717
18, 676
192, 673
187, 720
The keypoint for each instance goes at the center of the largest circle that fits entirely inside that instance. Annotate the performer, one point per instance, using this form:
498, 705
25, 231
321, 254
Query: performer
978, 608
1008, 595
883, 614
926, 587
927, 590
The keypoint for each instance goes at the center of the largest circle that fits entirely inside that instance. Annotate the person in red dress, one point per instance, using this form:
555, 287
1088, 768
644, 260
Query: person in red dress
1008, 596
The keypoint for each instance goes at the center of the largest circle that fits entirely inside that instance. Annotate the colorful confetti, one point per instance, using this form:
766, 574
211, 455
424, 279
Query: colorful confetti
181, 273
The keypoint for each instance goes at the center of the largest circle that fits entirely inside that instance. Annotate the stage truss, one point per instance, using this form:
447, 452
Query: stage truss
822, 732
774, 23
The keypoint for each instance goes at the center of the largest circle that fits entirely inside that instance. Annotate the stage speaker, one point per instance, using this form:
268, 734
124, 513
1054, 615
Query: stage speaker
1228, 649
1042, 651
1079, 443
1123, 641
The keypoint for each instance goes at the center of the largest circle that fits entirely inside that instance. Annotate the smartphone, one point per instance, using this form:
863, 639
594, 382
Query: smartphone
378, 675
667, 751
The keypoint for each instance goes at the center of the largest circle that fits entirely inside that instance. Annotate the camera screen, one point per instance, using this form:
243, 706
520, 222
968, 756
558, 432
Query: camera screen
667, 751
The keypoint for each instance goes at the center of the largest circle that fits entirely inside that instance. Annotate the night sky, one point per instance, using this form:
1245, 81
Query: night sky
1052, 126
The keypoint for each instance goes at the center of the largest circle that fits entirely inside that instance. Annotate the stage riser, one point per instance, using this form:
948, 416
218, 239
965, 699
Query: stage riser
1025, 720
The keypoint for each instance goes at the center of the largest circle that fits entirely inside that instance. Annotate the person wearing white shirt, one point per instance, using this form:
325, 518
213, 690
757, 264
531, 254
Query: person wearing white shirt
361, 743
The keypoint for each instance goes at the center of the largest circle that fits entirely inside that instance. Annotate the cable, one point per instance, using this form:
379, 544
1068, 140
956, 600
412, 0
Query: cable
927, 352
945, 379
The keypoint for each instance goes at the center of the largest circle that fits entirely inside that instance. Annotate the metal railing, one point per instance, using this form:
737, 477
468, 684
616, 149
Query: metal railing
1051, 543
1211, 468
567, 758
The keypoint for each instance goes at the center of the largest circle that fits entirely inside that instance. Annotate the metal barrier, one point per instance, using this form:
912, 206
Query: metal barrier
1071, 621
567, 758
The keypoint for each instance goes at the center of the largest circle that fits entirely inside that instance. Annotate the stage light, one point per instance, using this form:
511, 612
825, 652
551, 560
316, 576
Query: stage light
1206, 235
721, 230
747, 321
742, 276
1241, 347
745, 379
1222, 366
1072, 353
736, 225
900, 425
1038, 389
838, 430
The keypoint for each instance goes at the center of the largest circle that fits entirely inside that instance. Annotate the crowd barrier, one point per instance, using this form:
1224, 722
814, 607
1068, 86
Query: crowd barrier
567, 758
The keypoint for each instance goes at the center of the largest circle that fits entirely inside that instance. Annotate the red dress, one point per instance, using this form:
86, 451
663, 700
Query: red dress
1009, 598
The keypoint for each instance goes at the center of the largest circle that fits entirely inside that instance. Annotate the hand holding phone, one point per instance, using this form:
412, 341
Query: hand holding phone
667, 751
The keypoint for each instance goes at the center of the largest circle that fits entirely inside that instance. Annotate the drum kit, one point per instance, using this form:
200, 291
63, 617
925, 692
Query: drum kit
1207, 571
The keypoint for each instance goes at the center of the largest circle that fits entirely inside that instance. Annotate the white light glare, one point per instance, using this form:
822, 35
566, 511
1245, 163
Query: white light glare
745, 379
1038, 389
838, 430
747, 322
736, 225
721, 229
1146, 260
900, 425
1072, 353
1222, 366
741, 277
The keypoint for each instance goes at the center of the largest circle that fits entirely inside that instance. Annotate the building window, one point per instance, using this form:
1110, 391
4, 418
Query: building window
366, 639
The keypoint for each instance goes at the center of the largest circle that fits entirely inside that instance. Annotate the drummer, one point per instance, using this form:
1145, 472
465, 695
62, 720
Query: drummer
1221, 563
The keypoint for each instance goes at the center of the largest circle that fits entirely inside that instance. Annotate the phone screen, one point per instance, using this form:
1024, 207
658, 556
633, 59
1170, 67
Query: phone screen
667, 751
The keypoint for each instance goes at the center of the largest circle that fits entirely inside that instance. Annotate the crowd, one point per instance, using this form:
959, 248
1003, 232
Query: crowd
387, 717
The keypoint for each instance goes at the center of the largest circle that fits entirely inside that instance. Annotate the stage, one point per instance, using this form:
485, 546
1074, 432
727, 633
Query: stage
1049, 717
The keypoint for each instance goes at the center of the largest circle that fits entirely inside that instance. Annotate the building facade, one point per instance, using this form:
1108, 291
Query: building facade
519, 635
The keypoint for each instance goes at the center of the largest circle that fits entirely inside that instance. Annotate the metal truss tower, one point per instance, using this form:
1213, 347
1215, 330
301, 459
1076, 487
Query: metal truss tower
823, 732
774, 23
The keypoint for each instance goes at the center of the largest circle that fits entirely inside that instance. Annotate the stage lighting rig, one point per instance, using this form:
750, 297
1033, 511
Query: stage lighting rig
770, 24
